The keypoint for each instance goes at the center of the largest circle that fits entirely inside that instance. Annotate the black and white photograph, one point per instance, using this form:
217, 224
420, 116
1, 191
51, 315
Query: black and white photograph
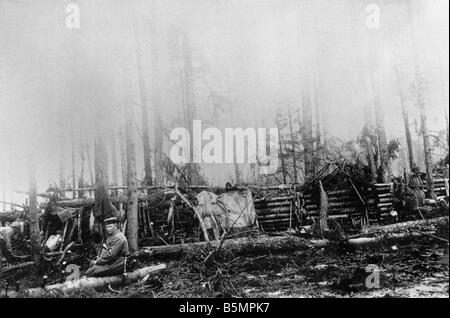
244, 151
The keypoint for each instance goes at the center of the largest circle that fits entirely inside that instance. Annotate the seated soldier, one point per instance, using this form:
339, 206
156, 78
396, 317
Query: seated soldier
112, 258
7, 235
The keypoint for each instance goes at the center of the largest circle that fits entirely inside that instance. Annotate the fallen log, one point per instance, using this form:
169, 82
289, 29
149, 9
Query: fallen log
89, 282
406, 225
239, 246
272, 211
272, 204
263, 245
16, 267
370, 241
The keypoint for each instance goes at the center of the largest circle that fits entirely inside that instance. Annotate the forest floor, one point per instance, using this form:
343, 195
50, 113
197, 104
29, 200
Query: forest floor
416, 268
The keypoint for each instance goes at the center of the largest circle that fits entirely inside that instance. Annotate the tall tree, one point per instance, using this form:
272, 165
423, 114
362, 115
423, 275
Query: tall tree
421, 105
188, 101
367, 135
102, 205
62, 177
123, 156
33, 211
376, 80
89, 161
307, 126
132, 200
74, 179
294, 153
148, 180
280, 148
405, 120
83, 163
114, 161
156, 103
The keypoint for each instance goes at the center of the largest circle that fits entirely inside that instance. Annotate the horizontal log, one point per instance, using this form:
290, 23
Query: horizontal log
92, 282
275, 221
381, 205
239, 246
274, 204
333, 193
274, 216
273, 210
275, 199
336, 211
16, 267
406, 225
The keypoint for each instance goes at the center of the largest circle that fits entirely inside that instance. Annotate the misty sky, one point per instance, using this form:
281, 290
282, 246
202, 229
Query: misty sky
252, 53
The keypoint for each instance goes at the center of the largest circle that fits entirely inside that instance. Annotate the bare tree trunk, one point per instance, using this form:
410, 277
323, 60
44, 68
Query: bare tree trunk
422, 112
294, 159
4, 195
189, 102
62, 177
362, 74
33, 212
280, 149
114, 162
101, 182
405, 121
157, 120
380, 128
123, 156
446, 123
132, 204
318, 119
307, 127
74, 178
89, 160
375, 45
426, 146
83, 163
148, 180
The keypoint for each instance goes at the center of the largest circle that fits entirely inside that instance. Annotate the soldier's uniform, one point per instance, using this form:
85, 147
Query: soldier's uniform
112, 258
416, 195
6, 235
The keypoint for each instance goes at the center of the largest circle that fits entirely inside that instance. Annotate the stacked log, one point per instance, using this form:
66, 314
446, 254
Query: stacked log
380, 202
381, 198
342, 203
440, 187
276, 214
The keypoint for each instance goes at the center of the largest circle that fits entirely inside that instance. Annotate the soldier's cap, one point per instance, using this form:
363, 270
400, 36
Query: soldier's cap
112, 220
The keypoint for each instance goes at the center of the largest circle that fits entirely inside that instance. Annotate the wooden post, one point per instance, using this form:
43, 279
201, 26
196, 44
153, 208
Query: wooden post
323, 209
33, 211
